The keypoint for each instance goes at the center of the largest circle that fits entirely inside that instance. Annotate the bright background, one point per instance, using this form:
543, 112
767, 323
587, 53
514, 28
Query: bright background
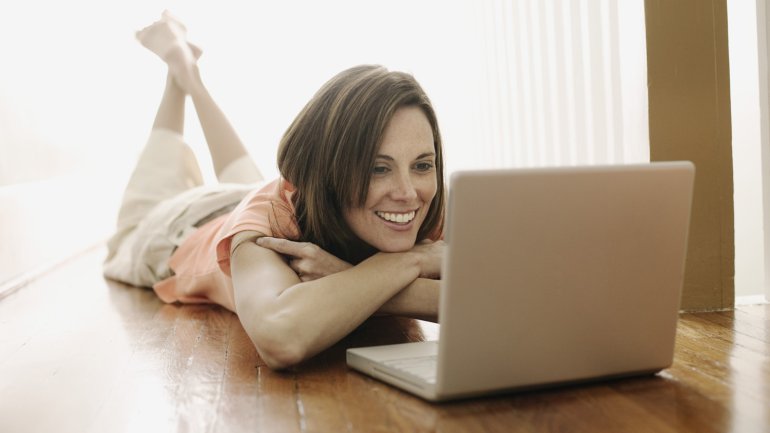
514, 83
78, 95
77, 90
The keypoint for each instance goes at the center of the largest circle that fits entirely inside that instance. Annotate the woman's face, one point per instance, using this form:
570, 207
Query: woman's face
402, 185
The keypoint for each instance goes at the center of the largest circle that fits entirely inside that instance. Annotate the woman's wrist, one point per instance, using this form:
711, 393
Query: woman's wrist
405, 262
416, 260
428, 257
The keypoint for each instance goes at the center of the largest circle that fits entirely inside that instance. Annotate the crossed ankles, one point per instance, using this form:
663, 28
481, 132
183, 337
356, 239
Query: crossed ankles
167, 38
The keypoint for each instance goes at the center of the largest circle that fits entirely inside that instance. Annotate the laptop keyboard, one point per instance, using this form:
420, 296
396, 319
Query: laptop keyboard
422, 367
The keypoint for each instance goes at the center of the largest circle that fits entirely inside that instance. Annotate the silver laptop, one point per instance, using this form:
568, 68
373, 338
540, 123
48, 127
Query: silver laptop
551, 276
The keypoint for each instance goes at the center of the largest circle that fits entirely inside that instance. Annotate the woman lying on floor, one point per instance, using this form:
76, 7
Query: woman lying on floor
351, 228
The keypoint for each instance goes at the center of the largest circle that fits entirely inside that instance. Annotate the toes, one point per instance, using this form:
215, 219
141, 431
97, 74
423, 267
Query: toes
168, 34
166, 15
140, 34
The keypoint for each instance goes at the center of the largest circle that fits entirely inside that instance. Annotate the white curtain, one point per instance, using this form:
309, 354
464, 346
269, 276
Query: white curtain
565, 82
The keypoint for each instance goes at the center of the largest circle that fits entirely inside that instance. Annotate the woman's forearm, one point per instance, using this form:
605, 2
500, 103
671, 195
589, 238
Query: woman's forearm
419, 300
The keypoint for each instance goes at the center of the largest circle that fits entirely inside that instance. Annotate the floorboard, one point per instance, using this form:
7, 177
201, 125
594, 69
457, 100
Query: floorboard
81, 353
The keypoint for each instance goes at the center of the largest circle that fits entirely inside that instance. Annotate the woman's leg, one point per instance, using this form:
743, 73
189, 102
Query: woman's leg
167, 38
166, 166
232, 162
170, 114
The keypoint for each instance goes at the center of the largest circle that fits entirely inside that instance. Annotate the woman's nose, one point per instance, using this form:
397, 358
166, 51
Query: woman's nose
403, 188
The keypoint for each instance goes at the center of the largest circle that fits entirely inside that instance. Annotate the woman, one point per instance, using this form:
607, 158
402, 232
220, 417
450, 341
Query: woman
351, 228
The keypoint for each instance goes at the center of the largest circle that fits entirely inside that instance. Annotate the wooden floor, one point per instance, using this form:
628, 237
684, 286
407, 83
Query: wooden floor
82, 354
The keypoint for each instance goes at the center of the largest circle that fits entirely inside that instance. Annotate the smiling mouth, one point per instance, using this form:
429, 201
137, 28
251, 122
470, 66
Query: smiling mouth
397, 218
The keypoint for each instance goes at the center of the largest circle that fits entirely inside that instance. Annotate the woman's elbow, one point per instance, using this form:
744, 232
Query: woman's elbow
280, 358
278, 345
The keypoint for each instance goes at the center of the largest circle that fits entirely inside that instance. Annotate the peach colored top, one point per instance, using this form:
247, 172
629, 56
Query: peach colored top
201, 264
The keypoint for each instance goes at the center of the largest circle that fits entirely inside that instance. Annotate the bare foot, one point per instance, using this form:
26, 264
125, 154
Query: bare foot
167, 38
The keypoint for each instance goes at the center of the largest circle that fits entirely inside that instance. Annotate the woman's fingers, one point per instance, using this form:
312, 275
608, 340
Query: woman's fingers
298, 265
308, 260
283, 246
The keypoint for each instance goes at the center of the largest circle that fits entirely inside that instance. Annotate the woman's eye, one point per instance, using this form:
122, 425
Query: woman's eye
380, 169
424, 166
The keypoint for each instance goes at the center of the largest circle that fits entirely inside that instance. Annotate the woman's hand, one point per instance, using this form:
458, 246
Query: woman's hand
431, 256
308, 260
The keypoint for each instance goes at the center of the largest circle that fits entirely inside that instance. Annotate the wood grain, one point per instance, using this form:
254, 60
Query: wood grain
80, 353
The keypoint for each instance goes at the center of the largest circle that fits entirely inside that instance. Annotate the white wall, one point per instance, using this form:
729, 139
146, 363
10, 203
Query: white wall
746, 139
75, 82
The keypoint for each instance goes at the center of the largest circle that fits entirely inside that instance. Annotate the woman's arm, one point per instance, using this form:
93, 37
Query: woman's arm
418, 300
290, 320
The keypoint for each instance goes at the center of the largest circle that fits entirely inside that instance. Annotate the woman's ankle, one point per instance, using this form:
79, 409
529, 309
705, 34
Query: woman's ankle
183, 70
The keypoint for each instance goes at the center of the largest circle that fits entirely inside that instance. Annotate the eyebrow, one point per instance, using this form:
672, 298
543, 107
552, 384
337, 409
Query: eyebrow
421, 156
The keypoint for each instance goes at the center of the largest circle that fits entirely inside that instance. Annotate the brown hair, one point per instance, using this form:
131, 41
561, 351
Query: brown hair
329, 151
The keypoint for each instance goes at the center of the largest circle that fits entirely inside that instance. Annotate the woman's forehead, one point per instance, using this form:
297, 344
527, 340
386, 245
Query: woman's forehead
409, 133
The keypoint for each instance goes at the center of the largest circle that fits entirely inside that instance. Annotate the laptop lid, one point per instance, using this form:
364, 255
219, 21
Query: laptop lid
557, 275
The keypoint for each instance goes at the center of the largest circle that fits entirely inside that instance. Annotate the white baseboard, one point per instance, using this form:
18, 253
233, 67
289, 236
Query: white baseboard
751, 300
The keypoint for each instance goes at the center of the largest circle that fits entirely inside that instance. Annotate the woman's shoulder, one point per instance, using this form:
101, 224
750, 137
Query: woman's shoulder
269, 210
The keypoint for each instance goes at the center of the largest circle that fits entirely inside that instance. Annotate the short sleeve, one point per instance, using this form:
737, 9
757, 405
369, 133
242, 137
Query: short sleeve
268, 211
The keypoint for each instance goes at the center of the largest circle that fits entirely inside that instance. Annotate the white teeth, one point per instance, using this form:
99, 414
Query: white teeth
400, 218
